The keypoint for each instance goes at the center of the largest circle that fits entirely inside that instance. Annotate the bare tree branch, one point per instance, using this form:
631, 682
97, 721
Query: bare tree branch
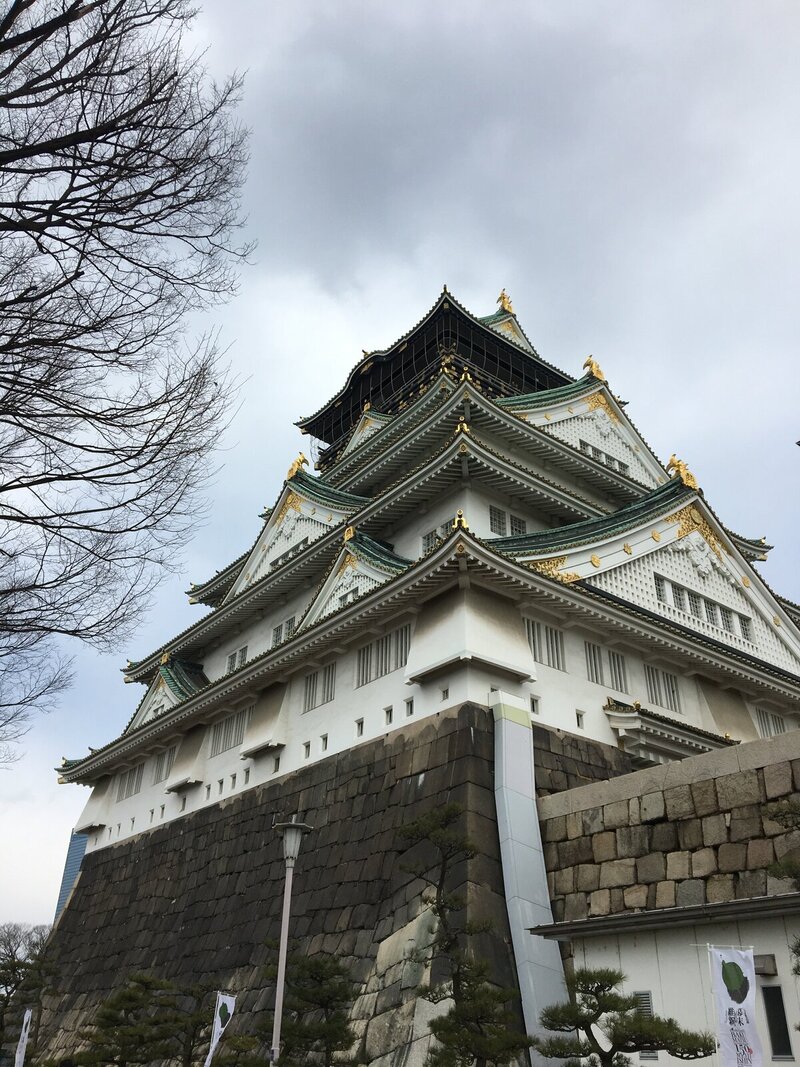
121, 165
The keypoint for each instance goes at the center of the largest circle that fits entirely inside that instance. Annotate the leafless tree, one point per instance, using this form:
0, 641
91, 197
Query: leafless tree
121, 164
21, 949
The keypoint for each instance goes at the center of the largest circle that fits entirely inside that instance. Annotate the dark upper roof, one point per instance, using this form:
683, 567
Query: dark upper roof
386, 377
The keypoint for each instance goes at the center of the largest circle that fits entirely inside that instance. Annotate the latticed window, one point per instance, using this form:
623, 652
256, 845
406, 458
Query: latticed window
645, 1006
229, 733
534, 632
237, 659
712, 614
661, 588
328, 683
518, 526
429, 541
383, 656
163, 764
662, 688
319, 687
623, 467
619, 673
727, 619
554, 640
130, 782
695, 605
769, 724
679, 597
746, 627
594, 663
497, 521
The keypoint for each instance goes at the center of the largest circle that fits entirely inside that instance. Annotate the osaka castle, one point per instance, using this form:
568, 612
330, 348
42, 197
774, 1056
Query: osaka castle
478, 521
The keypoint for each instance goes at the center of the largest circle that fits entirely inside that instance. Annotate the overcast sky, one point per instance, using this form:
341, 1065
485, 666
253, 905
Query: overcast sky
627, 171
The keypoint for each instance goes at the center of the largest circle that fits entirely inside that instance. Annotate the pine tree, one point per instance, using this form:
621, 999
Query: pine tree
479, 1027
135, 1025
600, 1025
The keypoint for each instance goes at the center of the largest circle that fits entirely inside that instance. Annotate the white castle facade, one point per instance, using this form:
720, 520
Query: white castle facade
480, 522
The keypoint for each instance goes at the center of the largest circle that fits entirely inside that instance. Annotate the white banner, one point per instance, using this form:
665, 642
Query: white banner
22, 1044
223, 1013
734, 982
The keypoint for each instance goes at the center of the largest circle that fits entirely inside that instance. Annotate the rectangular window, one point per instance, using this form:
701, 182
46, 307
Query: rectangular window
446, 693
288, 627
679, 597
277, 634
276, 764
695, 605
534, 632
579, 716
619, 673
432, 537
646, 1008
231, 662
242, 657
220, 786
746, 627
409, 707
623, 467
661, 588
130, 782
319, 687
769, 725
237, 659
727, 619
388, 714
774, 1010
594, 663
359, 727
383, 656
534, 705
497, 521
323, 742
662, 688
518, 526
229, 733
711, 612
163, 765
246, 775
585, 447
233, 781
428, 541
555, 648
306, 749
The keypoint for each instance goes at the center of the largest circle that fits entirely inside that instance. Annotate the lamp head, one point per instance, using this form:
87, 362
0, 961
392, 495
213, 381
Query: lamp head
293, 833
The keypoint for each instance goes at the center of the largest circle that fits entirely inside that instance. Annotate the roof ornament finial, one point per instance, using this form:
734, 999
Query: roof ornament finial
367, 405
593, 367
463, 425
298, 465
165, 658
504, 300
677, 467
459, 522
349, 534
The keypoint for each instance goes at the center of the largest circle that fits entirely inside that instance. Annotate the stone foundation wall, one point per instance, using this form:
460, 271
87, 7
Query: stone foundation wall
566, 761
692, 832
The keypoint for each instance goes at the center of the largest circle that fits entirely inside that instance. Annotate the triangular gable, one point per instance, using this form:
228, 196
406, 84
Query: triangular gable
177, 679
362, 565
507, 326
306, 509
370, 422
587, 416
678, 564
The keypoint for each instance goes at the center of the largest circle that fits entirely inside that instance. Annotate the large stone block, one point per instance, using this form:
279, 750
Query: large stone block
719, 888
664, 837
651, 807
679, 802
678, 865
600, 902
575, 907
732, 856
587, 877
604, 846
690, 834
715, 830
593, 820
704, 796
665, 894
734, 790
615, 814
690, 892
760, 853
751, 884
704, 862
777, 780
652, 868
617, 873
634, 840
635, 897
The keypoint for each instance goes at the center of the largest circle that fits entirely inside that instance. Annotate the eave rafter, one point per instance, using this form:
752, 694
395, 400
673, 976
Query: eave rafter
422, 581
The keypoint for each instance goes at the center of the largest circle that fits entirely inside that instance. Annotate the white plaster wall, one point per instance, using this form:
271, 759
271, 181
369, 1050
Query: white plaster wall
598, 429
673, 965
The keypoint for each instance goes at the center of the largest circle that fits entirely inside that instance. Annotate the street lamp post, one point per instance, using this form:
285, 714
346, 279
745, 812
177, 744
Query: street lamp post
292, 833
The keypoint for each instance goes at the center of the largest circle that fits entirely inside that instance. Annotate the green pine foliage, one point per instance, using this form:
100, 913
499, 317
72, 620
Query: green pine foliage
315, 1027
134, 1026
480, 1027
599, 1025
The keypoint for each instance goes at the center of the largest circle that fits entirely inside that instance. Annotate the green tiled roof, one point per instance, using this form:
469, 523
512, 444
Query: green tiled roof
548, 397
323, 492
183, 678
378, 553
670, 495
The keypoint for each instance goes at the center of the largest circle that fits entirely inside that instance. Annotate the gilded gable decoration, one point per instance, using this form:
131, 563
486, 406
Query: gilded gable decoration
504, 300
690, 519
682, 471
593, 367
298, 464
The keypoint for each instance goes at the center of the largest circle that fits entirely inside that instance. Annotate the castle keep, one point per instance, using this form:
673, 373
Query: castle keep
491, 589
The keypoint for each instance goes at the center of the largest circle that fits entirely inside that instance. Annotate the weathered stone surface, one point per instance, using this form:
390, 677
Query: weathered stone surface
575, 906
760, 853
635, 897
777, 780
704, 862
564, 880
593, 821
715, 830
739, 788
615, 814
751, 884
651, 868
600, 902
690, 833
604, 846
664, 837
587, 877
633, 840
690, 892
679, 803
665, 895
678, 865
704, 796
719, 888
617, 873
732, 856
652, 807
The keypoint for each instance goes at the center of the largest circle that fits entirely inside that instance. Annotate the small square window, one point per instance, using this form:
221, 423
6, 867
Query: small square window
323, 741
359, 727
306, 749
233, 781
534, 705
387, 712
246, 775
276, 764
446, 694
409, 707
579, 717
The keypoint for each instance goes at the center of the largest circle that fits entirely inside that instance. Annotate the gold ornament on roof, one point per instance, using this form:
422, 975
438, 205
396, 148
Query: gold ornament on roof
689, 519
165, 658
459, 522
349, 533
504, 300
463, 426
551, 568
465, 376
600, 400
367, 405
298, 465
593, 367
677, 466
